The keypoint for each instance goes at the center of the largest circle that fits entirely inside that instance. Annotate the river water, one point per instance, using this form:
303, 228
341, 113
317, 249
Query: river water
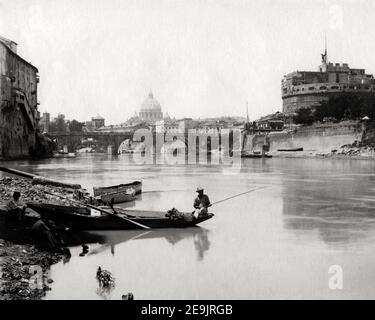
279, 242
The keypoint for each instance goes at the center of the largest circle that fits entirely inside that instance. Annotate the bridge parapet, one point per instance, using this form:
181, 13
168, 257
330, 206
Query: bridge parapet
74, 139
90, 134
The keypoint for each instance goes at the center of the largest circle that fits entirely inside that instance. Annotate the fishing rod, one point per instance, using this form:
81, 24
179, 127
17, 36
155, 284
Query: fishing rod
99, 209
237, 195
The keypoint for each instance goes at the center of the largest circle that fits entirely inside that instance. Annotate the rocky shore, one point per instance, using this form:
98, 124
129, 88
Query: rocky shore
20, 257
345, 152
24, 273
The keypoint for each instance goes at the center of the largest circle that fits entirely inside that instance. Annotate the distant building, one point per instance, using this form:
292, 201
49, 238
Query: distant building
186, 124
19, 115
88, 127
308, 89
97, 122
167, 125
44, 123
270, 125
151, 110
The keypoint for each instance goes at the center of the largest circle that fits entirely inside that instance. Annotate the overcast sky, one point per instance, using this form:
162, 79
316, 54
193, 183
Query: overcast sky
200, 58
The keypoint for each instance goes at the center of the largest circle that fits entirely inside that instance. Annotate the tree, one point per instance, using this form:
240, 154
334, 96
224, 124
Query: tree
346, 107
304, 116
75, 126
60, 125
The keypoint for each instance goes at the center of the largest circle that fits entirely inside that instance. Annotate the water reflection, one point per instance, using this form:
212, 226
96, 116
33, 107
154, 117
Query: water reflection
313, 214
109, 239
340, 207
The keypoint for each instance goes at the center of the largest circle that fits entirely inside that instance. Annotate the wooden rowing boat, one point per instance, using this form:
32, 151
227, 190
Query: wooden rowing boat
255, 155
118, 197
77, 221
64, 155
291, 149
119, 193
12, 230
135, 185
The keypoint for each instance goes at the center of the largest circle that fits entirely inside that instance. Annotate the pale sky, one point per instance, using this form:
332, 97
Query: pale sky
200, 58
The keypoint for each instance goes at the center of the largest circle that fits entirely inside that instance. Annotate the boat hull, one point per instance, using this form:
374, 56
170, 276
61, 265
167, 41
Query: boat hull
118, 197
135, 185
76, 221
255, 155
290, 149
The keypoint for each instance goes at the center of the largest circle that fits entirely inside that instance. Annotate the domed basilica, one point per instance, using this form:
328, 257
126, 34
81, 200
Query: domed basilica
151, 109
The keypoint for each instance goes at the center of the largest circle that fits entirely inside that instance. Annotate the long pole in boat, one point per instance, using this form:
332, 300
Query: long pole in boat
237, 195
99, 209
31, 176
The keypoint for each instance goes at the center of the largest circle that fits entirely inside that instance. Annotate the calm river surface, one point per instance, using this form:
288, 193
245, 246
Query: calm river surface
277, 242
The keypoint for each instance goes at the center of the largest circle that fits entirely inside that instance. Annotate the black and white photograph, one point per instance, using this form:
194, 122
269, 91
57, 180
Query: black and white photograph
187, 150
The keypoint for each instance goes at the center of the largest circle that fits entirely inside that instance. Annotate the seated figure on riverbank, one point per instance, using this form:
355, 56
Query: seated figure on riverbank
15, 208
47, 232
201, 203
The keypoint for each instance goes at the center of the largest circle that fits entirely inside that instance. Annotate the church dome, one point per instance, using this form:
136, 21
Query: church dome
150, 104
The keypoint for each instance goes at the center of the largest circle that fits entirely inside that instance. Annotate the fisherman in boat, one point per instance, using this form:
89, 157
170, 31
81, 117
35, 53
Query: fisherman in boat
201, 203
15, 208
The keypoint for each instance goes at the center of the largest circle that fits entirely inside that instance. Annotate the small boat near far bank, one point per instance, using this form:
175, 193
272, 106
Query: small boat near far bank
255, 155
78, 221
64, 155
291, 149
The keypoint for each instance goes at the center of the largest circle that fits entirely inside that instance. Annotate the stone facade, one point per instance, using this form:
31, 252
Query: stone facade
307, 89
97, 122
44, 122
19, 116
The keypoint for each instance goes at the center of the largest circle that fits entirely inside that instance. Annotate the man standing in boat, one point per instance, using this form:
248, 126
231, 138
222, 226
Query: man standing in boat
201, 203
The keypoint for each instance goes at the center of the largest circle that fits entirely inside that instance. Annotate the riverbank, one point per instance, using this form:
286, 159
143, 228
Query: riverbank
345, 152
24, 273
20, 256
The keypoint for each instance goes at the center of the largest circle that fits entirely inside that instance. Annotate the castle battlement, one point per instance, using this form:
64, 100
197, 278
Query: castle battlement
307, 89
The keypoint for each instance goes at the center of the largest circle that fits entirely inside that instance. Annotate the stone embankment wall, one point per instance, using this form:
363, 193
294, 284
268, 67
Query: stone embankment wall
314, 139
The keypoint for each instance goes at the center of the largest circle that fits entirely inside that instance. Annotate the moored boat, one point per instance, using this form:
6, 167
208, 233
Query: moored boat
77, 221
255, 155
64, 155
291, 149
118, 197
135, 185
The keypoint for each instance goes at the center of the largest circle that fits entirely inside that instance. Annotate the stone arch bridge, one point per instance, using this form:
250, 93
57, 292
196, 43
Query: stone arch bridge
110, 140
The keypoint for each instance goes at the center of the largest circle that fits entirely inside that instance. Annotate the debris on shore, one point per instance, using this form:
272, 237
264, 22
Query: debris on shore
19, 261
351, 151
24, 271
33, 192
